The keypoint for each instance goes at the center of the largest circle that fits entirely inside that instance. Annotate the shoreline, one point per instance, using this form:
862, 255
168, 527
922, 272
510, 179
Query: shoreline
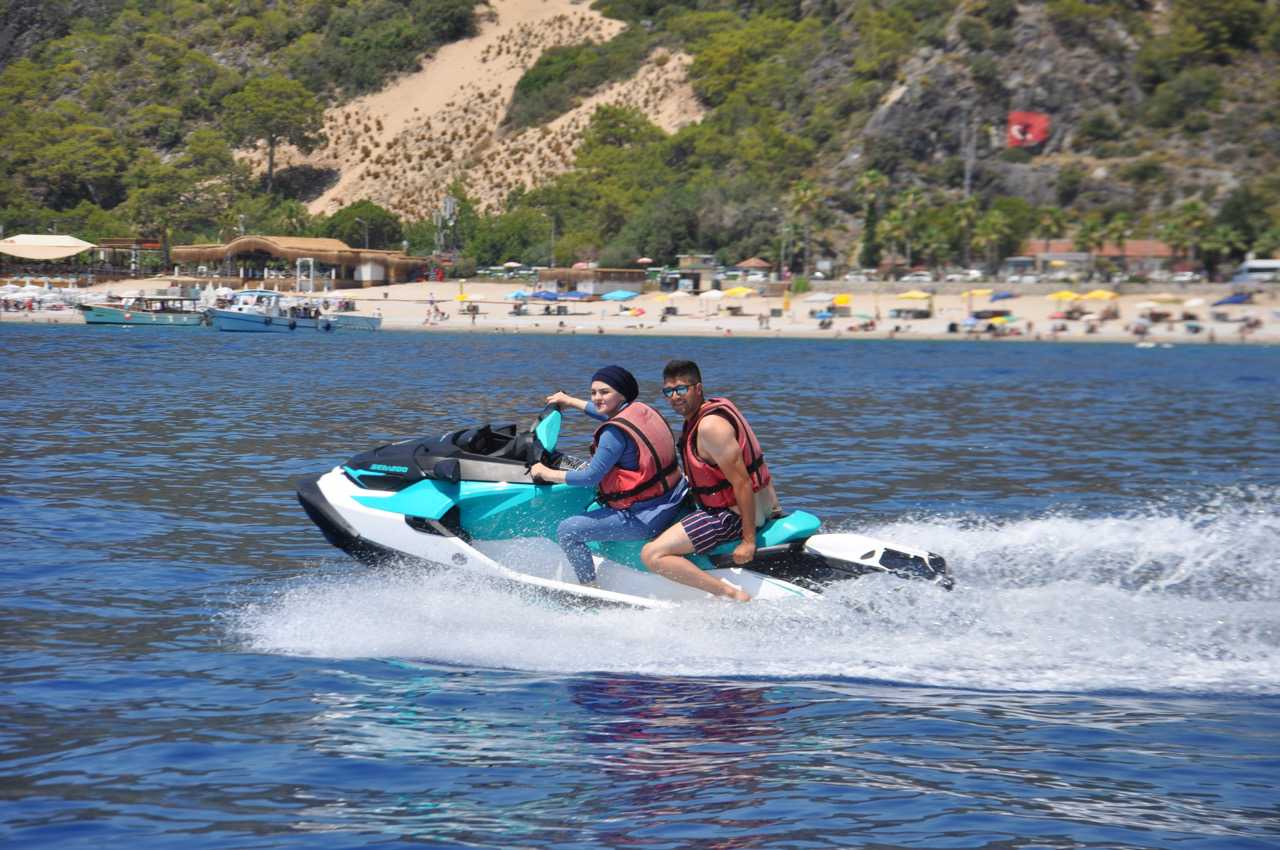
405, 306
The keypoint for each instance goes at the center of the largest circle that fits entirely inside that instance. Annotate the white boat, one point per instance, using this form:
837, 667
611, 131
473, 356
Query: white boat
264, 311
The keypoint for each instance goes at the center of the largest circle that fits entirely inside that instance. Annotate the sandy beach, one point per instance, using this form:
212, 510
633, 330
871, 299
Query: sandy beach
407, 306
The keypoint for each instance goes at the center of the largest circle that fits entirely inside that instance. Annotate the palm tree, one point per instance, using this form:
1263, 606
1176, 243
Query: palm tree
992, 229
1268, 242
806, 199
871, 185
1117, 231
1051, 223
966, 217
1195, 219
1218, 242
894, 229
910, 203
1088, 237
933, 246
1174, 233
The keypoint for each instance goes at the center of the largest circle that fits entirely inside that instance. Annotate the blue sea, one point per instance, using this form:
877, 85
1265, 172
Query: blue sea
186, 663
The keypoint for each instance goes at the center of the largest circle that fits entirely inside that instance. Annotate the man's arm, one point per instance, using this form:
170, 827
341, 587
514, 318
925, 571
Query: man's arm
717, 441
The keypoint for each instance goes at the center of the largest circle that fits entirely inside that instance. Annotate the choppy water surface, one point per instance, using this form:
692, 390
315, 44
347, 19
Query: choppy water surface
187, 663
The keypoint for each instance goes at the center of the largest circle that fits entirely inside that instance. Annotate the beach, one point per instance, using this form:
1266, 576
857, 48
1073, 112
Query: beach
406, 307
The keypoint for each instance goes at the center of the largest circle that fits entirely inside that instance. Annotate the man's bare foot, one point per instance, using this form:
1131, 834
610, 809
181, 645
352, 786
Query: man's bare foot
737, 594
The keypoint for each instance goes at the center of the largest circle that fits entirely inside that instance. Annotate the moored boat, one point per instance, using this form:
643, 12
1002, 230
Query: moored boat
264, 311
353, 322
166, 310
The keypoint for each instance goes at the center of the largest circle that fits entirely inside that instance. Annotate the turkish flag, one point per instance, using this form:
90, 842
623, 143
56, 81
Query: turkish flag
1027, 129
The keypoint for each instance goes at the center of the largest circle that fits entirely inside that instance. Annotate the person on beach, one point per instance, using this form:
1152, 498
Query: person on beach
728, 478
633, 467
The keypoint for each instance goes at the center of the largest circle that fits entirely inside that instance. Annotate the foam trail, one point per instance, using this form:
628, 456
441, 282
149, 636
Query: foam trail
1163, 602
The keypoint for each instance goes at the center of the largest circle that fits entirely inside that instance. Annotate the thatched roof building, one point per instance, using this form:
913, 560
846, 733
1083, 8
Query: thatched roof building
330, 252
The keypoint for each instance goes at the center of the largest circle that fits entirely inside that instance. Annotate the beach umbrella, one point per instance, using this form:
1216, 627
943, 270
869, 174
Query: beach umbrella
815, 297
844, 299
823, 314
1166, 298
740, 292
518, 294
679, 293
1235, 298
1001, 296
581, 264
1063, 295
644, 261
914, 295
462, 296
1193, 302
619, 295
547, 295
712, 294
864, 316
1099, 295
41, 246
972, 293
512, 264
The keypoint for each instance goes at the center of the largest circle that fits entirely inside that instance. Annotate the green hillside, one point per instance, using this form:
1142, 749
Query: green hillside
835, 129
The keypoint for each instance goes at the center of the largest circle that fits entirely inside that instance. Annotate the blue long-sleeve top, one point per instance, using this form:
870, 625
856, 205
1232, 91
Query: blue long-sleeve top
617, 448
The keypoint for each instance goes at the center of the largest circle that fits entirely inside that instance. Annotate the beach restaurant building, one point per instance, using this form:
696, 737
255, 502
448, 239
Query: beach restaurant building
316, 263
1136, 256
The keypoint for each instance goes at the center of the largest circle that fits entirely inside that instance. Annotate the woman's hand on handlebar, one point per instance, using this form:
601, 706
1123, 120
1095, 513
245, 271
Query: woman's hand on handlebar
561, 400
545, 474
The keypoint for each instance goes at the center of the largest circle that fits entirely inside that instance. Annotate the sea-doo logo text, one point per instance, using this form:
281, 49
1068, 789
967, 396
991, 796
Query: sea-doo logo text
382, 467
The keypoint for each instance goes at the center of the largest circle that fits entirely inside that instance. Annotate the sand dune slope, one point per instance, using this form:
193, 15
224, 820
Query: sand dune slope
404, 145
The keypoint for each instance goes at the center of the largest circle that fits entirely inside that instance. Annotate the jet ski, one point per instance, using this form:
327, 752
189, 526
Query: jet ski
465, 500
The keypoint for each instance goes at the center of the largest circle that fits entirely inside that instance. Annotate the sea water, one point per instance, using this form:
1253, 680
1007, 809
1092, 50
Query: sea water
187, 663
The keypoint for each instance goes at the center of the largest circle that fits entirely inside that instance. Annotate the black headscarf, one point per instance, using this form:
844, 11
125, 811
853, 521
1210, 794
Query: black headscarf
620, 379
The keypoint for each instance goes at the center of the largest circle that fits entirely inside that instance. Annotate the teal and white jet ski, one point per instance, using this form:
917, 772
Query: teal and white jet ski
465, 500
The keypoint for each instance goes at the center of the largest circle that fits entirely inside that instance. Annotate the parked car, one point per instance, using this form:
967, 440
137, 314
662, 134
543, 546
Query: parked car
1185, 277
909, 313
918, 277
964, 275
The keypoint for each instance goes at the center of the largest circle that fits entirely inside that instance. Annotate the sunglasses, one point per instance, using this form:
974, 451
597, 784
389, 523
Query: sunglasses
680, 390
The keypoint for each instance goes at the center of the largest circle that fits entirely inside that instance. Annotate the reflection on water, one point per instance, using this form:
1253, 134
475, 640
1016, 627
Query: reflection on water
610, 760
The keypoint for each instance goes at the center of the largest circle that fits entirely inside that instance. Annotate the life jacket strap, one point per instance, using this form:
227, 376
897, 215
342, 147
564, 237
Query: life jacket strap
660, 476
752, 469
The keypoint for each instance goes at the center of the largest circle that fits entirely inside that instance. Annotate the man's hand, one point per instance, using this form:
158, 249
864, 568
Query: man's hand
538, 472
744, 552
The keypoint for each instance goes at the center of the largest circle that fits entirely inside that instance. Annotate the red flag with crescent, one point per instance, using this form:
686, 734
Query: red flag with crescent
1027, 129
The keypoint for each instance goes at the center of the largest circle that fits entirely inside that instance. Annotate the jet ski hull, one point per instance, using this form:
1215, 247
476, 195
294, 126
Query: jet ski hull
420, 523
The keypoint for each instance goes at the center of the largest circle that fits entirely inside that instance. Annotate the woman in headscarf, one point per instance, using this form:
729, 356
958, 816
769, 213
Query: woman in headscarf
634, 467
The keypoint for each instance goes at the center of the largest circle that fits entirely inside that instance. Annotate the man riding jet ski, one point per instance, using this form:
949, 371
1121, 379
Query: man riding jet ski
466, 499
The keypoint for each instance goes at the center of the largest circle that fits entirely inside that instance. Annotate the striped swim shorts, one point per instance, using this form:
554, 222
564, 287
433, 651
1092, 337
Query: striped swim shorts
708, 529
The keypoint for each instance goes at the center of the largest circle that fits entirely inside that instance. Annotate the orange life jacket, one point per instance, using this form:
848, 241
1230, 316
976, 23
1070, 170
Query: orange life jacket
657, 470
707, 482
